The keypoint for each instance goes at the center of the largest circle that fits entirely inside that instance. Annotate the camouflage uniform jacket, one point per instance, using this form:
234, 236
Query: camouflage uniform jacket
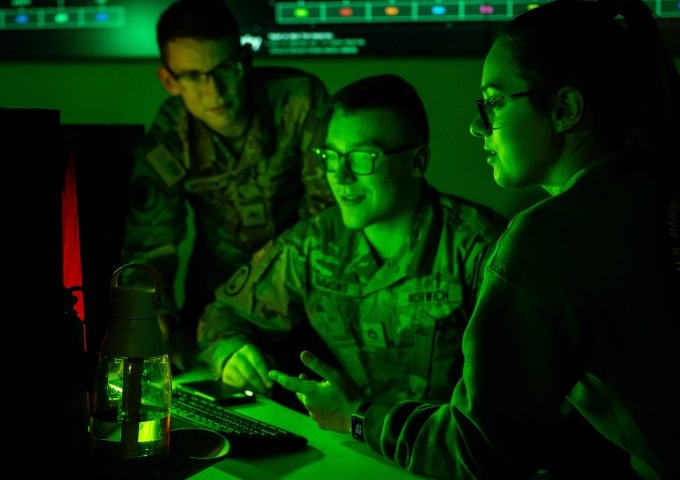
396, 329
238, 203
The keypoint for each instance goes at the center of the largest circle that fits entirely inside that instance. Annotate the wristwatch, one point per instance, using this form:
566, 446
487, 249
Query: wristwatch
358, 421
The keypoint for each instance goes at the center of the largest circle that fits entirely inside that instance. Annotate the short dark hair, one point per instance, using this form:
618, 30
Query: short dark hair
385, 92
200, 19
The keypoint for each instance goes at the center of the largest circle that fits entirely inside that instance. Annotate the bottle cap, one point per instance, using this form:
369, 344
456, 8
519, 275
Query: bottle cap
134, 331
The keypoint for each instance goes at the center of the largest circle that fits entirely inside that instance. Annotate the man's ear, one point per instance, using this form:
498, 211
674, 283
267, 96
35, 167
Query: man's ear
421, 160
169, 83
568, 108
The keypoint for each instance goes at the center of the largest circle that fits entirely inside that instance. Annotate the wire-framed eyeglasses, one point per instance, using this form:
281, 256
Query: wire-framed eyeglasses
193, 79
359, 162
487, 105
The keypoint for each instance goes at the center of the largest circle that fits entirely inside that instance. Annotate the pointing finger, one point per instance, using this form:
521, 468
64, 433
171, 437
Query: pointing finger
319, 367
293, 384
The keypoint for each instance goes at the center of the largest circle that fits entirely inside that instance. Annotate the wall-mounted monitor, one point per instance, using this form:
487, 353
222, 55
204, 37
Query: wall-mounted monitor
125, 29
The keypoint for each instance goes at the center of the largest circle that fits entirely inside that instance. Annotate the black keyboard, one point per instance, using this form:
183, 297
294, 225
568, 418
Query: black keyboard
248, 437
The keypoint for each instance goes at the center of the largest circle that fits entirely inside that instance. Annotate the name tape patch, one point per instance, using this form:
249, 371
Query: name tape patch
450, 294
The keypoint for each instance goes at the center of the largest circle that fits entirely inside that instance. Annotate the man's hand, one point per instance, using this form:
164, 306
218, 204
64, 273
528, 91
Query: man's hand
331, 401
247, 368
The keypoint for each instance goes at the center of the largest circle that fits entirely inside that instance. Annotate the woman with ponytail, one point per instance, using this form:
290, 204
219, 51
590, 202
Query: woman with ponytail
578, 314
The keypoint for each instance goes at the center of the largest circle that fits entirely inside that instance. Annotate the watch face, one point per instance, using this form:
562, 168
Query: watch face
358, 430
358, 427
358, 421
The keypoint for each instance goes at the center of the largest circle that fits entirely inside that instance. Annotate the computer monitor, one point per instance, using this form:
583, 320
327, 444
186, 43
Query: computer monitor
32, 172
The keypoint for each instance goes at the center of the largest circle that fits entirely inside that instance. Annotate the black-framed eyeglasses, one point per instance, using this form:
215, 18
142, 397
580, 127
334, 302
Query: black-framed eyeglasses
194, 79
359, 162
486, 105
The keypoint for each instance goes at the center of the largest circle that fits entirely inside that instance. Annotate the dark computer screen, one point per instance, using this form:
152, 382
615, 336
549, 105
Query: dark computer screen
32, 170
125, 29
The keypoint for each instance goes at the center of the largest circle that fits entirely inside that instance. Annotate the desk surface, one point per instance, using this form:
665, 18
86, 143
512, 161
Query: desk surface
329, 455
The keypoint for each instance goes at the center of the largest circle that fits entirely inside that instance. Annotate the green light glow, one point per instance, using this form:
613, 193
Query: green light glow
61, 17
301, 12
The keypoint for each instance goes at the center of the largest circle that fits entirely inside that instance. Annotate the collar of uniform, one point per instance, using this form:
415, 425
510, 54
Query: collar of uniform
418, 254
424, 241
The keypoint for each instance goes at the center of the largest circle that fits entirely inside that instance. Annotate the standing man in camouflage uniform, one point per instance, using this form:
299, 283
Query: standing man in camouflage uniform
232, 145
388, 277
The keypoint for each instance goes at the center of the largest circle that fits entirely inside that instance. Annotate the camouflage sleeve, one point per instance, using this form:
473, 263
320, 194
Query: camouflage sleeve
157, 212
318, 195
260, 302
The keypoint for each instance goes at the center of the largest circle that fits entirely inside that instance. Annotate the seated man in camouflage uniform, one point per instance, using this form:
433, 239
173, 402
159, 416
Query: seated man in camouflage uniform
388, 277
232, 145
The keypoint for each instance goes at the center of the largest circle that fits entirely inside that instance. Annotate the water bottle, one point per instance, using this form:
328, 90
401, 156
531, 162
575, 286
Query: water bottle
132, 390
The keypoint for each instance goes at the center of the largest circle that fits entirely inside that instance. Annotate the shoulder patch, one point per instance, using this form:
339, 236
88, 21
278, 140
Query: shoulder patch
166, 165
238, 280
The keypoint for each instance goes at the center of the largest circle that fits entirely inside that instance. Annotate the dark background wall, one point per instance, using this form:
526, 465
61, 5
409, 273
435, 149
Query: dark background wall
130, 92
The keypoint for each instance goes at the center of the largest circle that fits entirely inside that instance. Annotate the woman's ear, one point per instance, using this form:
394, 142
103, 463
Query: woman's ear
421, 160
169, 83
568, 108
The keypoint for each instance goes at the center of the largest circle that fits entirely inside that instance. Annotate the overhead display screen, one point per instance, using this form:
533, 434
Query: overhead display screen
125, 29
